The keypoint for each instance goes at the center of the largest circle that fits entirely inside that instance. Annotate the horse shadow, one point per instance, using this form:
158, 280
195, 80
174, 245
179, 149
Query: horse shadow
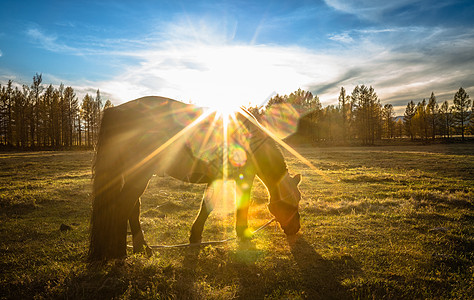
321, 277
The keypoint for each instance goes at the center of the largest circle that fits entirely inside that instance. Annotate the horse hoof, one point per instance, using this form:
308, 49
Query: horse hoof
193, 240
292, 239
246, 244
148, 251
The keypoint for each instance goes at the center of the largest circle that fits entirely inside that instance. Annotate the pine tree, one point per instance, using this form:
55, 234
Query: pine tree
55, 116
420, 120
68, 116
44, 125
36, 90
388, 121
446, 118
367, 114
6, 114
410, 111
108, 104
432, 111
343, 106
87, 113
399, 128
21, 107
461, 108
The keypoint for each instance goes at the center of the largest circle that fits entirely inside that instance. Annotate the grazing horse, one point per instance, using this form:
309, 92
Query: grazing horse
156, 135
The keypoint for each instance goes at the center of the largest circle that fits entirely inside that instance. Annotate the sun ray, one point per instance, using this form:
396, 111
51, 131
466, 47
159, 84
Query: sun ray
169, 142
290, 149
207, 135
157, 151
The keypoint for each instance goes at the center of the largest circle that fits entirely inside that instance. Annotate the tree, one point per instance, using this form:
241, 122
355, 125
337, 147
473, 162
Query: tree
432, 111
461, 108
55, 119
399, 128
87, 113
21, 108
256, 111
44, 125
367, 114
38, 116
108, 104
6, 114
446, 118
388, 121
277, 99
344, 106
419, 120
301, 99
96, 115
305, 104
331, 126
410, 111
70, 110
36, 90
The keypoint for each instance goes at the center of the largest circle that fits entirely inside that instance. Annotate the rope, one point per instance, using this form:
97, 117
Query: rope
206, 243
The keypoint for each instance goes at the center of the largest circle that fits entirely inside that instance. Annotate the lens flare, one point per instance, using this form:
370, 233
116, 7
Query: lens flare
221, 197
217, 134
237, 155
185, 116
281, 119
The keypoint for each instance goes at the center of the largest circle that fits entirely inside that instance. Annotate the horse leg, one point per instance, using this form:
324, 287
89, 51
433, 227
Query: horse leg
198, 225
138, 239
242, 208
129, 211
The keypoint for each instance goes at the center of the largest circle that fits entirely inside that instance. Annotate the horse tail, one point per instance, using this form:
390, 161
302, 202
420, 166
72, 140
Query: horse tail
107, 239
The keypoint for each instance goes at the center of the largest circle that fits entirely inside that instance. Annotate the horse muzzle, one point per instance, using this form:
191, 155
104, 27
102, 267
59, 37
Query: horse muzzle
287, 216
292, 225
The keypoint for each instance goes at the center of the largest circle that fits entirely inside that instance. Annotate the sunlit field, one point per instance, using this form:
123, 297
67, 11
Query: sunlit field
377, 222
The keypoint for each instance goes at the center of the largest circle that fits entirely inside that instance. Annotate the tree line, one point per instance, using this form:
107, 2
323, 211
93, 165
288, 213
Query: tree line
39, 116
361, 117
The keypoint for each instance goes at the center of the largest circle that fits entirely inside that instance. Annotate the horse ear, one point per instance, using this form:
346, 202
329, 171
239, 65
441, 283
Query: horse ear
297, 178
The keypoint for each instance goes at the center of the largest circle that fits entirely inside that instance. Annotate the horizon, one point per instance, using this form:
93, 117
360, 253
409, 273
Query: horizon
241, 52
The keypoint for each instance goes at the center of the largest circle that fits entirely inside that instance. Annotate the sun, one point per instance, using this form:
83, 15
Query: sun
226, 110
225, 77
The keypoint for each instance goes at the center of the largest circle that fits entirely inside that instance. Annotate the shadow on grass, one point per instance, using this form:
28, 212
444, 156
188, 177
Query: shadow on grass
212, 272
320, 276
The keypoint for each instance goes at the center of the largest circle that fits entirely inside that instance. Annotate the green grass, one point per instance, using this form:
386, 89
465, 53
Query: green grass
377, 222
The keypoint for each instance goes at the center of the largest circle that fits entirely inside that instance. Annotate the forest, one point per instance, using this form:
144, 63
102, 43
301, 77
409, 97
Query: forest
48, 117
361, 118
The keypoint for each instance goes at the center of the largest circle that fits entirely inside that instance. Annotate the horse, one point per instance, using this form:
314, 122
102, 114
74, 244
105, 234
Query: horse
157, 135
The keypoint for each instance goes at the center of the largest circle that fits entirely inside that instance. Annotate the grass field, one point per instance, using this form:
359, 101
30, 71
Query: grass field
377, 223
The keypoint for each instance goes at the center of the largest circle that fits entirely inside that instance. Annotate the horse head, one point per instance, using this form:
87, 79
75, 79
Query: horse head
284, 202
271, 168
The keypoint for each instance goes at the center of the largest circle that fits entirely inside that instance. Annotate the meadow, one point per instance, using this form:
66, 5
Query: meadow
386, 222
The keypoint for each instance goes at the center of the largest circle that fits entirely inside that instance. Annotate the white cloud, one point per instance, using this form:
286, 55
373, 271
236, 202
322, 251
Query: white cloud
342, 37
51, 42
368, 9
201, 62
46, 41
390, 11
207, 67
211, 74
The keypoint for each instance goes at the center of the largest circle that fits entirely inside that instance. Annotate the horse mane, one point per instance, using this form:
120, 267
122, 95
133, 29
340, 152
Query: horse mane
267, 156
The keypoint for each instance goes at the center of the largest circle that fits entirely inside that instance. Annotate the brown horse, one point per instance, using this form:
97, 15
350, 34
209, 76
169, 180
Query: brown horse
154, 135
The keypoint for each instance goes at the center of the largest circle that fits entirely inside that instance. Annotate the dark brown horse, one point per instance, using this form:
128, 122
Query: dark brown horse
158, 135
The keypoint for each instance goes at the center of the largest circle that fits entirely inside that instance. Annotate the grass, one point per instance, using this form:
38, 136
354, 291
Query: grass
377, 222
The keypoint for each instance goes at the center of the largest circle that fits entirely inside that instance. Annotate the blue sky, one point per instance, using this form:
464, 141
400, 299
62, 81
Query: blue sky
213, 52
